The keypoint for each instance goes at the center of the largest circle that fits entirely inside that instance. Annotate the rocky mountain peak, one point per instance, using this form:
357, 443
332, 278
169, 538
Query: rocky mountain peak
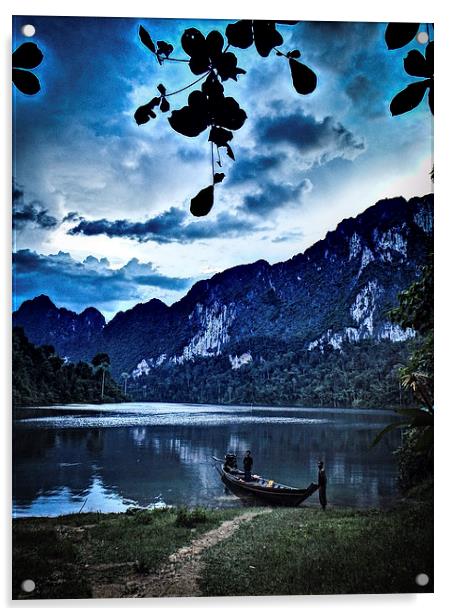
335, 293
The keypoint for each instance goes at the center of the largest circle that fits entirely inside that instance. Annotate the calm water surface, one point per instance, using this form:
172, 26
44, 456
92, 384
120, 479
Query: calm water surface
110, 457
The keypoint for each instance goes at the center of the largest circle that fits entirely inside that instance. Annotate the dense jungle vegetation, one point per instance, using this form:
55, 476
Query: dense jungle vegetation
41, 377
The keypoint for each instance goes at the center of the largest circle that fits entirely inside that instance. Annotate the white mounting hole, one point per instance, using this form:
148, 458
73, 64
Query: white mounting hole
28, 30
422, 38
28, 586
422, 579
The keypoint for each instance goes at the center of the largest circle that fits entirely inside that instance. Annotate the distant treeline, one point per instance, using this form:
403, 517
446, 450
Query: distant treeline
41, 377
363, 375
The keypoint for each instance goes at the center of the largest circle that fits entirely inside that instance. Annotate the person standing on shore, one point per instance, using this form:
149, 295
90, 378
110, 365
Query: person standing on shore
247, 465
321, 480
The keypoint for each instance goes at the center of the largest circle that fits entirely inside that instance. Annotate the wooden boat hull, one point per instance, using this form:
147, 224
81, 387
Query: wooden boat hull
260, 489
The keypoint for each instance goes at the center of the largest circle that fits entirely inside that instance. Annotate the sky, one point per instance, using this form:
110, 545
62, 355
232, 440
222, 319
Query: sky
101, 205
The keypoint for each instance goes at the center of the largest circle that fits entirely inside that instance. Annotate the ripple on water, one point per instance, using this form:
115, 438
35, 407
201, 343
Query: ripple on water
179, 419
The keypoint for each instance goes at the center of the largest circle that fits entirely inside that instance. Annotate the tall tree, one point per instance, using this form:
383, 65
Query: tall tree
101, 361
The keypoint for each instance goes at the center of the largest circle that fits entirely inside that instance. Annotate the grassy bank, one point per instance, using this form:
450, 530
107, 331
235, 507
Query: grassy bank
68, 555
308, 551
286, 551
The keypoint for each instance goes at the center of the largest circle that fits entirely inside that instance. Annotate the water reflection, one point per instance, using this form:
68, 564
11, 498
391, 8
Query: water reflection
62, 461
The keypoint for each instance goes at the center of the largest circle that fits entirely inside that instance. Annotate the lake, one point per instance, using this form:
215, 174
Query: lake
113, 456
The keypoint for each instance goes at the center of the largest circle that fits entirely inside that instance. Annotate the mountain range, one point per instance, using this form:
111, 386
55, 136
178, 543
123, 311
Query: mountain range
335, 294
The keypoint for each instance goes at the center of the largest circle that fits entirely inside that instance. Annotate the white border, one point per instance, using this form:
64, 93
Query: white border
347, 10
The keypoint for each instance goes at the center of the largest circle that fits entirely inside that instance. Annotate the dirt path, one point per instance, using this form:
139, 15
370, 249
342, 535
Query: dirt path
180, 576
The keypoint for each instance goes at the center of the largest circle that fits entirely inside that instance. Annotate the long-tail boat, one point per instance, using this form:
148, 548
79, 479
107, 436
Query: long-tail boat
266, 490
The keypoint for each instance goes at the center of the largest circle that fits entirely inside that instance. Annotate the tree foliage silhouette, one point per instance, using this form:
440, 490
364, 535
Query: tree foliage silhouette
25, 57
208, 108
398, 35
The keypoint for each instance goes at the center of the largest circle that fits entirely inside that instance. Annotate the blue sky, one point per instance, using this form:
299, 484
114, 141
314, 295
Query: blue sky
102, 205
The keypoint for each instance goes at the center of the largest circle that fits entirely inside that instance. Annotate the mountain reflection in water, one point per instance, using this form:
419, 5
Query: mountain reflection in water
112, 457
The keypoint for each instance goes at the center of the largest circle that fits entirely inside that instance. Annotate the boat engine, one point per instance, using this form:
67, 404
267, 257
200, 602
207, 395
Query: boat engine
230, 461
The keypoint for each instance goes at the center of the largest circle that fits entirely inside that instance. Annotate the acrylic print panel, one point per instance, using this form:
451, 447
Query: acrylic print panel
223, 329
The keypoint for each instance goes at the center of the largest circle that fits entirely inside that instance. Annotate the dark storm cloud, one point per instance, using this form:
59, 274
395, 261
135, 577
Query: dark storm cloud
62, 278
338, 45
319, 141
159, 228
168, 227
251, 166
30, 213
274, 197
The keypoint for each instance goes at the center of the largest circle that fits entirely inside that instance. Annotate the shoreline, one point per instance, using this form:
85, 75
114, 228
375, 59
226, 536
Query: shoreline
392, 502
129, 554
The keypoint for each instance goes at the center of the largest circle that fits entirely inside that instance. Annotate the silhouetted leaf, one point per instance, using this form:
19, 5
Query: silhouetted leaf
430, 97
164, 105
189, 121
199, 64
220, 136
226, 65
144, 113
409, 98
218, 177
415, 64
161, 88
164, 49
28, 55
26, 82
203, 202
193, 42
229, 114
303, 78
294, 53
154, 102
240, 34
400, 34
146, 39
198, 100
214, 44
265, 36
213, 89
229, 152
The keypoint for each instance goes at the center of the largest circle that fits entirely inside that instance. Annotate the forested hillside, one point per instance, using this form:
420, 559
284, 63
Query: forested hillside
363, 375
41, 377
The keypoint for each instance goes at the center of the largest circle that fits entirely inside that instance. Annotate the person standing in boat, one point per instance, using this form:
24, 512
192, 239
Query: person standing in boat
247, 465
321, 480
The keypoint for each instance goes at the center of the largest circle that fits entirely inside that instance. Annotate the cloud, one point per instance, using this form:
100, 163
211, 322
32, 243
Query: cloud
251, 166
72, 217
170, 226
30, 213
365, 95
315, 141
339, 46
93, 281
287, 237
274, 197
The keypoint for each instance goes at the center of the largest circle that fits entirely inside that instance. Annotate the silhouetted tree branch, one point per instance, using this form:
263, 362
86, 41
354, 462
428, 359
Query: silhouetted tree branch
209, 107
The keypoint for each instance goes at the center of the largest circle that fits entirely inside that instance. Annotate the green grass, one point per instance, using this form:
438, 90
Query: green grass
306, 551
42, 554
60, 554
286, 551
